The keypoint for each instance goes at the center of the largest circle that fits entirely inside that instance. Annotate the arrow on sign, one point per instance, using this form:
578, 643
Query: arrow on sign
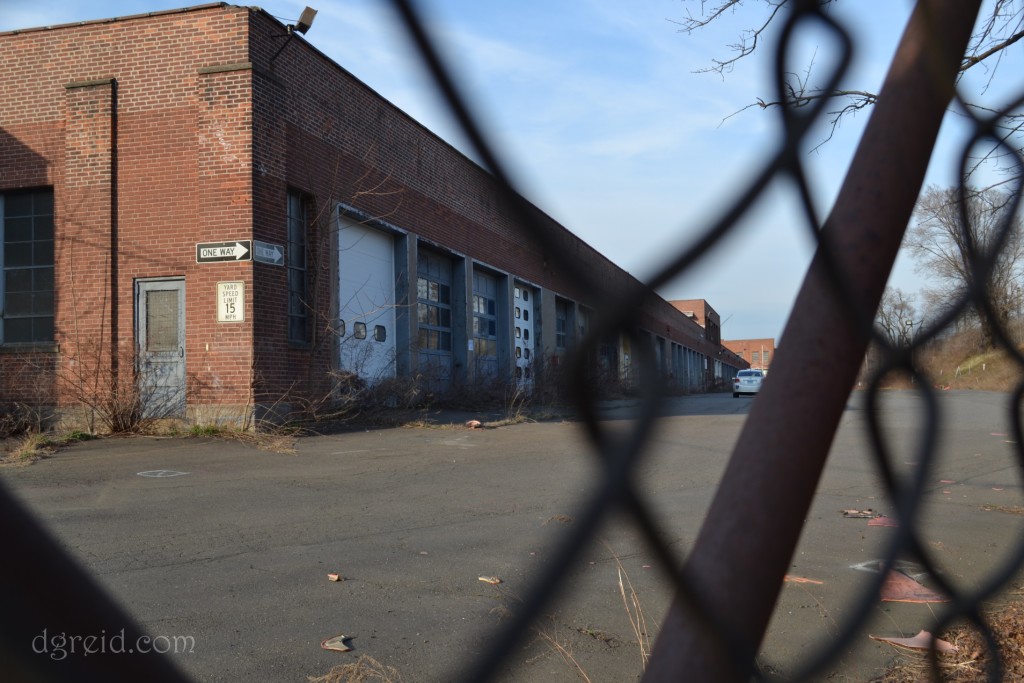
236, 250
265, 252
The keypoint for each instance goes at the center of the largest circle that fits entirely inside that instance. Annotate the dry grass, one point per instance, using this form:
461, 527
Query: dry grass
958, 363
28, 448
635, 613
971, 661
366, 669
564, 650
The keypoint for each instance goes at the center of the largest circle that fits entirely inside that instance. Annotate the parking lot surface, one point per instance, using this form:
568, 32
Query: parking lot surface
232, 545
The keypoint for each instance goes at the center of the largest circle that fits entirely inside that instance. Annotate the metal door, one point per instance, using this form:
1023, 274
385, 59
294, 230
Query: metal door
366, 295
160, 335
522, 322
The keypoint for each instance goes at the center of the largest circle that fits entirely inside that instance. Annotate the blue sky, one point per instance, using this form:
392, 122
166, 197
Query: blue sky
605, 124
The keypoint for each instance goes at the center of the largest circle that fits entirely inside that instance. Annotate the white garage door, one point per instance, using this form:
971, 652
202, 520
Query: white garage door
523, 303
366, 301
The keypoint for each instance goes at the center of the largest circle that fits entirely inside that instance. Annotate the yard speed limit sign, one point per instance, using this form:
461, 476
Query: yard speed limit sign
230, 302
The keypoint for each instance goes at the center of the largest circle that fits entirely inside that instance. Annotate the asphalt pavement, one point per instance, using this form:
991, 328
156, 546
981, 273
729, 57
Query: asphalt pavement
231, 545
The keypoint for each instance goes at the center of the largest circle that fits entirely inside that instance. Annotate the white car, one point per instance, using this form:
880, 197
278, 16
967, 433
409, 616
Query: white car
747, 382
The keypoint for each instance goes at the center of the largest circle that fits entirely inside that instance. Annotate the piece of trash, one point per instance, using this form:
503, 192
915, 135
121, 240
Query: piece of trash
946, 481
561, 519
898, 587
802, 579
882, 520
911, 569
337, 643
645, 566
922, 641
424, 552
997, 488
490, 579
473, 424
859, 514
947, 491
335, 577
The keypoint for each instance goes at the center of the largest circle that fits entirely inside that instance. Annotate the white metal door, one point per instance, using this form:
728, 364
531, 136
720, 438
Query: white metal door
366, 301
522, 325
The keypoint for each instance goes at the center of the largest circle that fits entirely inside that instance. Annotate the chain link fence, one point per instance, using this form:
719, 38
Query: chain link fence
714, 628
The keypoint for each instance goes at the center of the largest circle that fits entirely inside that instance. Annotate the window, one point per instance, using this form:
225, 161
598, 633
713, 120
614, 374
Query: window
380, 333
485, 320
755, 356
26, 258
298, 309
359, 330
561, 324
434, 303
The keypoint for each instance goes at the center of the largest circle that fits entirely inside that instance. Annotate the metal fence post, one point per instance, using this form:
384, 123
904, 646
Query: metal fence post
740, 557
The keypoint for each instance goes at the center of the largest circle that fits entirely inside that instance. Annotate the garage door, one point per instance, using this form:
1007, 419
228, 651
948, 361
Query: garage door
366, 301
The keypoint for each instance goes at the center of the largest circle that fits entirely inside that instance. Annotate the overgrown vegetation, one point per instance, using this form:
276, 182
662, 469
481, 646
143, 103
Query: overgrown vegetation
31, 446
957, 361
971, 661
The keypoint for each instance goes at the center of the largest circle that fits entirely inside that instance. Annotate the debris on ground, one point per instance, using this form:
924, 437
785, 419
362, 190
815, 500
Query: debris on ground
561, 519
336, 643
859, 514
971, 662
364, 669
493, 580
922, 641
474, 424
801, 579
882, 520
335, 577
898, 587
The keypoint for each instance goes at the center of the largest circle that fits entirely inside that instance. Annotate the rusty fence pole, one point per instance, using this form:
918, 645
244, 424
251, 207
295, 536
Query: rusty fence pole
741, 555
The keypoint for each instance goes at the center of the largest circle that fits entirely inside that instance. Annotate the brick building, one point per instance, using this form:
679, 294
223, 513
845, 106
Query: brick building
757, 352
202, 208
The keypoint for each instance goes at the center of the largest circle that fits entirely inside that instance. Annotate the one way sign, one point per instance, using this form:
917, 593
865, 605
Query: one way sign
237, 250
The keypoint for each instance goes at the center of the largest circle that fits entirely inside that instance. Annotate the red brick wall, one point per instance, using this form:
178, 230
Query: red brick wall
182, 154
745, 348
317, 128
206, 131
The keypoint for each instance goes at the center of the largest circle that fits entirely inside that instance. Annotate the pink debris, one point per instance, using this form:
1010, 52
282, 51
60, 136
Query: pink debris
922, 641
801, 579
898, 587
882, 520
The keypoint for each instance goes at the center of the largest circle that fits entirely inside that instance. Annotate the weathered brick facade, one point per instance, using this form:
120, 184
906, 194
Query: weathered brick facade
161, 131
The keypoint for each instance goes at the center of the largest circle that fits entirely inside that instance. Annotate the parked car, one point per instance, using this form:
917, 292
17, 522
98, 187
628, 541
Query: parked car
747, 382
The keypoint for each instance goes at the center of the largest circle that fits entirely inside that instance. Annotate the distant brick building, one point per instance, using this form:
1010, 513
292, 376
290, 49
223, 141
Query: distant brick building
757, 352
200, 206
